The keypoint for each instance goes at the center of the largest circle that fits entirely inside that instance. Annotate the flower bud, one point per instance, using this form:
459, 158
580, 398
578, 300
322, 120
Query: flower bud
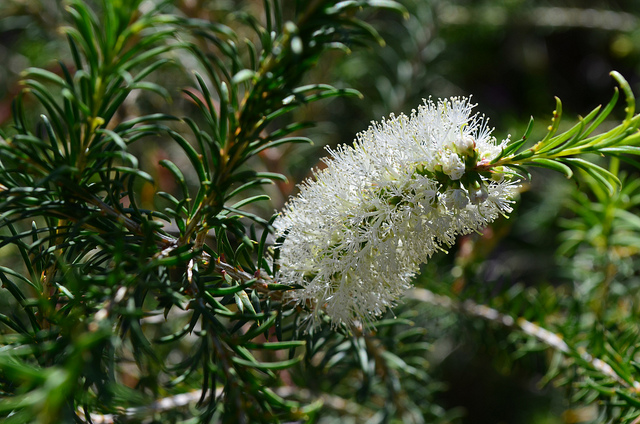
465, 145
453, 166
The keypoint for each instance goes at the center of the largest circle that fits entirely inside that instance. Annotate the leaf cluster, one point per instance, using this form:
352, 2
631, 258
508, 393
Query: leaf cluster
115, 308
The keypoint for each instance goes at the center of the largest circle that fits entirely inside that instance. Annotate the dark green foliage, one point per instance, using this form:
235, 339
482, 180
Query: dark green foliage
138, 286
109, 298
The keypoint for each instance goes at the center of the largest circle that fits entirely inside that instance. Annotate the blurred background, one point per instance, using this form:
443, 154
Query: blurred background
513, 57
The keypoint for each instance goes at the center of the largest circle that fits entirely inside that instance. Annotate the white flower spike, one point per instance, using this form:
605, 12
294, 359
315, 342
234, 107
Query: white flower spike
358, 231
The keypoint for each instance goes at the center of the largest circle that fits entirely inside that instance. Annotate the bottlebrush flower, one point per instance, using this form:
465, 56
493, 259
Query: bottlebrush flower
358, 231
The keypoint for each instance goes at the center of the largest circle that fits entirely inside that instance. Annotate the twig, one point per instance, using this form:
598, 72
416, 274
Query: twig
166, 404
553, 340
161, 405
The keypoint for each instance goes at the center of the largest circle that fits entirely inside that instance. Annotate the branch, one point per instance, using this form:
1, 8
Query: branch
161, 405
469, 307
166, 404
